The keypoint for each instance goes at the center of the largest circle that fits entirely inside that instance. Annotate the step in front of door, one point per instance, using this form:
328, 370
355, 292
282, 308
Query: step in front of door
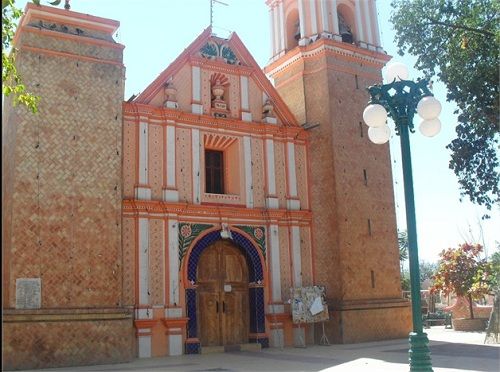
221, 349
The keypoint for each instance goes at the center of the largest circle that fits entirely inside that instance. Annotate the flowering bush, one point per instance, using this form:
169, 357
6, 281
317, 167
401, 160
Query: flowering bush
462, 271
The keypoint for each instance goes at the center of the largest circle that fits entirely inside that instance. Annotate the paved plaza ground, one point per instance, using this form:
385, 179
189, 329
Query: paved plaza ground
451, 351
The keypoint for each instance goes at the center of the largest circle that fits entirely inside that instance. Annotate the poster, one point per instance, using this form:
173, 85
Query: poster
308, 304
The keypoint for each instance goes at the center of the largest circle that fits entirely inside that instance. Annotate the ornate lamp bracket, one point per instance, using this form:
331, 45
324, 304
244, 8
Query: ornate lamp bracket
400, 99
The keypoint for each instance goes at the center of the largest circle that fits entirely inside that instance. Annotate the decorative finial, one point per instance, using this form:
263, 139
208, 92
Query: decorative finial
54, 3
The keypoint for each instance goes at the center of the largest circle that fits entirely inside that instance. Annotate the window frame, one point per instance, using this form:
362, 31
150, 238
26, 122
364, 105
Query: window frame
211, 169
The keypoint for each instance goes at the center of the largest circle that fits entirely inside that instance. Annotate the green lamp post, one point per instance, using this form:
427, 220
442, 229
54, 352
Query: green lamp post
400, 100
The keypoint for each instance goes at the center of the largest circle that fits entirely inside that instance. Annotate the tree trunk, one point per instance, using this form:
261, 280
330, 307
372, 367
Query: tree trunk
470, 307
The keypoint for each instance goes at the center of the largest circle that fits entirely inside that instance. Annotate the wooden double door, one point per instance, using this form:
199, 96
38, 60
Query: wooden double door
223, 308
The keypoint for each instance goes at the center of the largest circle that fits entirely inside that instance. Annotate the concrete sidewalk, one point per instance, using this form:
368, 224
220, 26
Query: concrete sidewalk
451, 351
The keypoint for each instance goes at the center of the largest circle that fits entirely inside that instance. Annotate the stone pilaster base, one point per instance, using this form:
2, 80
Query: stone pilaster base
61, 338
362, 321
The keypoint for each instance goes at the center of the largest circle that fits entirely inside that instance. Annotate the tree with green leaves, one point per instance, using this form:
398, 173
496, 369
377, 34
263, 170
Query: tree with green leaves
458, 41
405, 280
463, 272
11, 79
427, 270
494, 261
403, 245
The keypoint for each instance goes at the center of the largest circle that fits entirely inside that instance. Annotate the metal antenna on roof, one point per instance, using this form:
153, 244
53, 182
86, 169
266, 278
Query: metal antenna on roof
212, 2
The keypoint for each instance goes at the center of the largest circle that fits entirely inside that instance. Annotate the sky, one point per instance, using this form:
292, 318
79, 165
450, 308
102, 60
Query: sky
155, 32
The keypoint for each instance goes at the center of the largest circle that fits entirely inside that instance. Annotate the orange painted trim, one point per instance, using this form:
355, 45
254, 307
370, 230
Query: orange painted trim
71, 55
223, 204
175, 322
69, 22
214, 65
190, 212
279, 317
320, 44
135, 112
76, 38
88, 20
144, 323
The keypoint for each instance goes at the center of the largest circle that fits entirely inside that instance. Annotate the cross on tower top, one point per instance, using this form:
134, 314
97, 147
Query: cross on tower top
212, 2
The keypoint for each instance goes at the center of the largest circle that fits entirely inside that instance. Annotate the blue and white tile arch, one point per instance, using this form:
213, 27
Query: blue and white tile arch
256, 291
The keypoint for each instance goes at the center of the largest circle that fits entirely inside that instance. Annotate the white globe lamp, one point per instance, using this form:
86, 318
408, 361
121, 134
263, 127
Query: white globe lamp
428, 108
379, 135
375, 115
430, 128
396, 71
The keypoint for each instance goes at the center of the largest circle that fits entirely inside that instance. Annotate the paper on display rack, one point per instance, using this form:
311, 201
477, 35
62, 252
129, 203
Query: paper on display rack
308, 304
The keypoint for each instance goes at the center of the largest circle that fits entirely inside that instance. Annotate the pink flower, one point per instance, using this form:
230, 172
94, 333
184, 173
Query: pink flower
186, 231
258, 233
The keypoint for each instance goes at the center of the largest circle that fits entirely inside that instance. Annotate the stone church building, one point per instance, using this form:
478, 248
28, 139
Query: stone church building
180, 219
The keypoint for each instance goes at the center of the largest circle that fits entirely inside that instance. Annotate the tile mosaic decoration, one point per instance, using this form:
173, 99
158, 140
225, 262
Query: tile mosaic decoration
253, 258
187, 233
257, 316
191, 312
258, 234
193, 348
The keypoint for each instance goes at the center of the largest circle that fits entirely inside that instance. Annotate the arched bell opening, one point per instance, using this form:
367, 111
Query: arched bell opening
292, 29
347, 24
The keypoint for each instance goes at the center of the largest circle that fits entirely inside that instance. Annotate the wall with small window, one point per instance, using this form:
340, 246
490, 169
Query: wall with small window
222, 172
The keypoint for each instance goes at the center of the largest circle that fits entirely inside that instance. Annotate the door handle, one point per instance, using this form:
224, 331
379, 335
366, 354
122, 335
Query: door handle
216, 306
223, 306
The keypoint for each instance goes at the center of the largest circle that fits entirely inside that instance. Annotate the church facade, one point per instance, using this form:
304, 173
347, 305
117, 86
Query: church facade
180, 219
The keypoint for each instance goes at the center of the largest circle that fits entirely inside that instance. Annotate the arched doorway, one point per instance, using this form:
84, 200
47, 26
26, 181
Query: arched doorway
223, 309
256, 324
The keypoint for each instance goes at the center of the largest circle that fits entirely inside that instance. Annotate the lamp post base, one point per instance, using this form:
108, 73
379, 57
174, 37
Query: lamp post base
420, 355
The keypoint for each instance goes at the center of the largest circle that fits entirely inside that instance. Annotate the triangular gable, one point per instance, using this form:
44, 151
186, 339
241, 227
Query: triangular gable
243, 58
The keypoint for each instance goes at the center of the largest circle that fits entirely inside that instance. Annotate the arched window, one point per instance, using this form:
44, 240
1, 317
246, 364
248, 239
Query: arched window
292, 29
347, 24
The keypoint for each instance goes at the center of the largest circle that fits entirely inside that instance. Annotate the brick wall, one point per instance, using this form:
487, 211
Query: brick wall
63, 195
53, 339
354, 223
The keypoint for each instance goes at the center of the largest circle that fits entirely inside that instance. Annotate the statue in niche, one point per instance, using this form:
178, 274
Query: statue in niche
345, 30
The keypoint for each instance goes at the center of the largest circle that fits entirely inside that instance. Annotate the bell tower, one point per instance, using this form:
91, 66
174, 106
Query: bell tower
324, 53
